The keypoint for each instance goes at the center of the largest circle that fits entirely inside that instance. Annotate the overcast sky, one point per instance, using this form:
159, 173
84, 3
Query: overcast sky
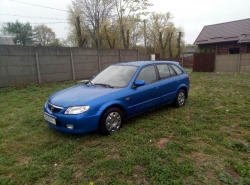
191, 15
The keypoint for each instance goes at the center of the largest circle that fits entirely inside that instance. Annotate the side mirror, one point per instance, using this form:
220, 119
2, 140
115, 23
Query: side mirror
139, 83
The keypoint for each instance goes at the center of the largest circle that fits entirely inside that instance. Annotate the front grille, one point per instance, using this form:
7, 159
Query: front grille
53, 108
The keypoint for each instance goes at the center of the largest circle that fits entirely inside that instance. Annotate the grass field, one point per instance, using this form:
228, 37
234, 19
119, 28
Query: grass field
205, 142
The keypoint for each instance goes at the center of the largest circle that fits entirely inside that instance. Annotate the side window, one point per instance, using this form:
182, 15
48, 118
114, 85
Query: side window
172, 71
177, 69
148, 74
163, 71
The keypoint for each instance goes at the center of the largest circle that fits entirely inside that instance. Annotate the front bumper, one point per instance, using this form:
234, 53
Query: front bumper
82, 123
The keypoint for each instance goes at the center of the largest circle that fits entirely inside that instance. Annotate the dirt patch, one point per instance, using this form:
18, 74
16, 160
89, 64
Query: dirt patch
235, 133
23, 161
138, 176
138, 171
114, 156
163, 141
205, 165
233, 173
78, 174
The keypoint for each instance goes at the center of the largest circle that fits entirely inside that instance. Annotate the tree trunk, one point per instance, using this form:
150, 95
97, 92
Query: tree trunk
163, 46
107, 36
114, 43
124, 39
170, 46
127, 39
79, 35
179, 45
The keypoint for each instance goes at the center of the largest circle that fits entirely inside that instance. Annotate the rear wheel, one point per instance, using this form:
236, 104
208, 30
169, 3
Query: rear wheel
111, 121
180, 98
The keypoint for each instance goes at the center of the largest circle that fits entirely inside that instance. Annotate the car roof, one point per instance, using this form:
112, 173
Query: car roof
144, 63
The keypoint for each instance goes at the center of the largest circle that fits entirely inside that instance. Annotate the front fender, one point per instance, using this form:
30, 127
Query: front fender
113, 104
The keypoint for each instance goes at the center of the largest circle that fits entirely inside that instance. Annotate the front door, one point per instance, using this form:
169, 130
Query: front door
147, 96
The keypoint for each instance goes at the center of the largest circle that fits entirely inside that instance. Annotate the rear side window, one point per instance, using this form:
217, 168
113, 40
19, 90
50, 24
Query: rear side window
172, 71
177, 69
163, 71
148, 74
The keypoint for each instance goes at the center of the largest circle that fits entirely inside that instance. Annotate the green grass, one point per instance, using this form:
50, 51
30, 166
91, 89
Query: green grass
205, 142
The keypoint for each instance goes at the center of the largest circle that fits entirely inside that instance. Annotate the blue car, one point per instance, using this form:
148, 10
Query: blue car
119, 92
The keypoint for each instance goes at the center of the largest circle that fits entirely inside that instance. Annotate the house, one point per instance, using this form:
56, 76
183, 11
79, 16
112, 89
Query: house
6, 41
190, 50
226, 38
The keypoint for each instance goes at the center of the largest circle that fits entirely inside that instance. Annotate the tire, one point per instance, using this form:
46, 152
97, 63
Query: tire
111, 121
180, 98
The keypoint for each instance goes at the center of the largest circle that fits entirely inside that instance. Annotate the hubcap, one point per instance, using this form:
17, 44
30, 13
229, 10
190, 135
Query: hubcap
113, 121
181, 99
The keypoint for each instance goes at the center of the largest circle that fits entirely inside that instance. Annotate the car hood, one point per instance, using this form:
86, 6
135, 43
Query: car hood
79, 95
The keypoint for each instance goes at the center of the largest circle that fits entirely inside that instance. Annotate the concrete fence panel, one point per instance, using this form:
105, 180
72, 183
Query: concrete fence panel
24, 65
17, 66
129, 55
108, 57
54, 64
144, 57
237, 63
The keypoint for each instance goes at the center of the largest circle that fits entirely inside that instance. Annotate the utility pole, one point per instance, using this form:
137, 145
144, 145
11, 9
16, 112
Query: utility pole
120, 27
79, 34
98, 29
145, 36
179, 45
170, 45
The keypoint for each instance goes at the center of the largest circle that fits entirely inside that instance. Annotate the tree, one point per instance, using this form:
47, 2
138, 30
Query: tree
163, 35
22, 33
92, 14
44, 35
74, 12
127, 9
57, 42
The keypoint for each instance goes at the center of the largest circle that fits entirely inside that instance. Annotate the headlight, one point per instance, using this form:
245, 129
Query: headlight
77, 110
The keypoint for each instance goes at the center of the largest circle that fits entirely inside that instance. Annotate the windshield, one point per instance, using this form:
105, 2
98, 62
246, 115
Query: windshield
115, 76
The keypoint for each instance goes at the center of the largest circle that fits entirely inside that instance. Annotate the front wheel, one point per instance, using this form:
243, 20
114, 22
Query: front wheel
180, 98
111, 121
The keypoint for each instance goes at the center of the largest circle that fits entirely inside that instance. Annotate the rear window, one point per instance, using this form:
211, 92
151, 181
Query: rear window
177, 69
163, 71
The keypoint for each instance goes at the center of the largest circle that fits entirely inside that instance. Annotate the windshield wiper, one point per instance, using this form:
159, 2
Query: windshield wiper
104, 85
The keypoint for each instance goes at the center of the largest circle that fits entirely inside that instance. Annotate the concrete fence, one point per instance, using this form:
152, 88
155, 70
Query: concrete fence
237, 63
24, 65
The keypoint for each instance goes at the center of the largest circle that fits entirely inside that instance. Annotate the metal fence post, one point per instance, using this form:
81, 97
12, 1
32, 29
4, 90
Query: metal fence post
239, 63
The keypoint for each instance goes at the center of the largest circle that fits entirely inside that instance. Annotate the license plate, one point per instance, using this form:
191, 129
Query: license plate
50, 119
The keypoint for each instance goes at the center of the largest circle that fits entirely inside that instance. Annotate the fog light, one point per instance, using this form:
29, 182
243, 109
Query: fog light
69, 126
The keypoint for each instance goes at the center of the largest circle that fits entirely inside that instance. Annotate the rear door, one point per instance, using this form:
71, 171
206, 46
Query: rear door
169, 83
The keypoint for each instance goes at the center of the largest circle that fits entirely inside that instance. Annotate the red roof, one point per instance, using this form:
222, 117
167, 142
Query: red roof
225, 32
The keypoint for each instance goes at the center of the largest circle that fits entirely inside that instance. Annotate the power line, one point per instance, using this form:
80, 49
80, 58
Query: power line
43, 23
32, 17
50, 23
39, 6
